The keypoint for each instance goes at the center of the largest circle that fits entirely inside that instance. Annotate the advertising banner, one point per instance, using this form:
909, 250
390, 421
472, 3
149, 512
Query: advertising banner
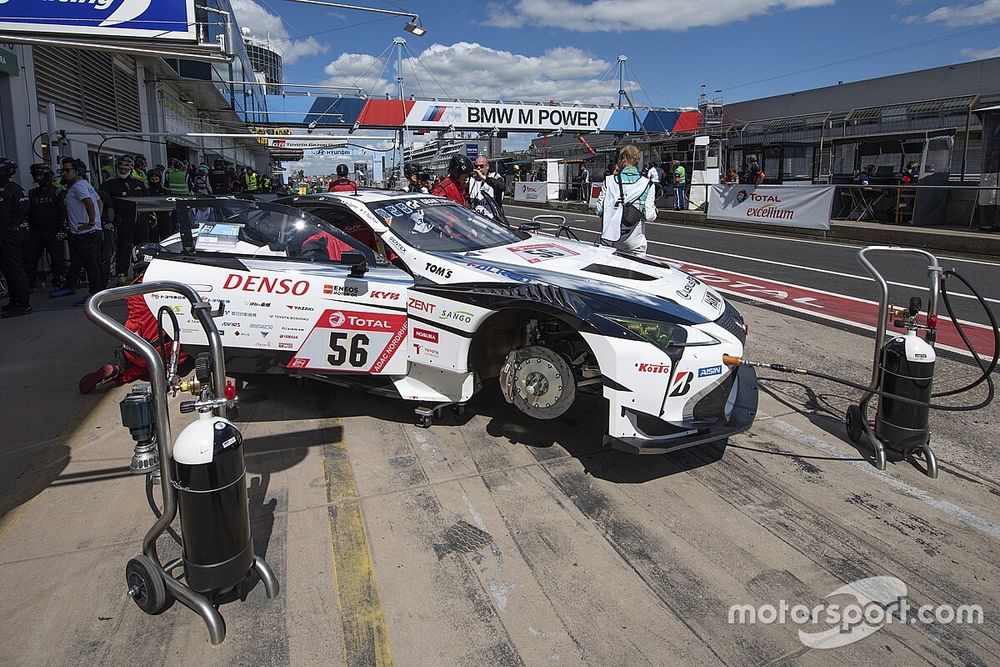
533, 191
147, 19
507, 116
804, 206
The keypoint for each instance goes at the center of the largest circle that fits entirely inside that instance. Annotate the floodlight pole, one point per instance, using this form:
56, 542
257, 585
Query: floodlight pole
400, 43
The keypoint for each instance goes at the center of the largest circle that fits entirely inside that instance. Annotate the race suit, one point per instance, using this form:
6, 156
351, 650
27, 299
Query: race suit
343, 184
46, 232
451, 190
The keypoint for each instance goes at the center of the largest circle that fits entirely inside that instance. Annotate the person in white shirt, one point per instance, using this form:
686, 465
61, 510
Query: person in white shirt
83, 212
623, 190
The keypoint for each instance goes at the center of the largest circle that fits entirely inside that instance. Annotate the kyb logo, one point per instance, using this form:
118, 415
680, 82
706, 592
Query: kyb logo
387, 296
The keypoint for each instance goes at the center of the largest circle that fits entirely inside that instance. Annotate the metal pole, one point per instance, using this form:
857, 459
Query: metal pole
621, 79
400, 43
50, 112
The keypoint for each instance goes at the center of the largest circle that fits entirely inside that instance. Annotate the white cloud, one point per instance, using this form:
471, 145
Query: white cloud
981, 54
265, 25
987, 11
622, 15
469, 70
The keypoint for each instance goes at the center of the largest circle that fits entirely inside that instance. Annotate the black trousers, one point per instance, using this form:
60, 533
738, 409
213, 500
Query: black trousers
85, 255
12, 267
130, 234
39, 242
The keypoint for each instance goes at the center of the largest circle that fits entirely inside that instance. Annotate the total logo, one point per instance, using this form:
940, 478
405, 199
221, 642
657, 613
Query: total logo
336, 319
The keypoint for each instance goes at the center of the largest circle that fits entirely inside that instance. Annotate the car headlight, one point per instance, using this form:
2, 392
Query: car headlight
657, 333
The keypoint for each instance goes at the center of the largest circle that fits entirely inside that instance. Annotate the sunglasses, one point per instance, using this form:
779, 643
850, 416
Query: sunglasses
66, 169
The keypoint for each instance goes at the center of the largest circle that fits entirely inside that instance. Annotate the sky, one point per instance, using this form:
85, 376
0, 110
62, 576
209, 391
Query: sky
566, 50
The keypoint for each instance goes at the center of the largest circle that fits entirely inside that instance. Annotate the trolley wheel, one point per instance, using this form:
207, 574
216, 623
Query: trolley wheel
425, 421
145, 585
854, 422
458, 409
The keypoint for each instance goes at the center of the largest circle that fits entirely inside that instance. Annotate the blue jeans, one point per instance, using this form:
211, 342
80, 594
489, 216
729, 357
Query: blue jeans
681, 190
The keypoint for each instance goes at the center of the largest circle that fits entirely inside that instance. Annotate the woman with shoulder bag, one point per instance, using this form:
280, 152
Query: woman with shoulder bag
626, 202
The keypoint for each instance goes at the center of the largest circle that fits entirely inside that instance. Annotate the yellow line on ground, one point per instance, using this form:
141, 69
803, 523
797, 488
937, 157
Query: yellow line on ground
366, 639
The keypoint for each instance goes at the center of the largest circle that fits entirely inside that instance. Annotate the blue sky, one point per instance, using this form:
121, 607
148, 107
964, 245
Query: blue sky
558, 49
565, 50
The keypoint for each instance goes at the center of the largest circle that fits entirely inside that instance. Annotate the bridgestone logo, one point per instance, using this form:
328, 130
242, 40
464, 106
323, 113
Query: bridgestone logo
770, 212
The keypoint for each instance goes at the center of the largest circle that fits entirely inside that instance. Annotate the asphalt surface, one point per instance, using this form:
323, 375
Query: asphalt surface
828, 266
491, 538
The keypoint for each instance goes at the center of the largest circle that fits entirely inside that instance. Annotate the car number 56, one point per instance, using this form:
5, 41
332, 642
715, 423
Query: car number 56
354, 351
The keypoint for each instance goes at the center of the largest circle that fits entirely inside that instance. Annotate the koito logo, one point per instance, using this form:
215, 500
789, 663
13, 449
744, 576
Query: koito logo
653, 368
336, 319
236, 281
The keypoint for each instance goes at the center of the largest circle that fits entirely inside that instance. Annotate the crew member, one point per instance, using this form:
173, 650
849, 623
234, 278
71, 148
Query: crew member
160, 222
83, 212
46, 226
454, 185
412, 172
13, 233
132, 227
177, 181
343, 183
483, 181
250, 181
219, 178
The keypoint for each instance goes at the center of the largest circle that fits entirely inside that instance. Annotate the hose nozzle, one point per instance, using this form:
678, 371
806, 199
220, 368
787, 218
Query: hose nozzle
731, 360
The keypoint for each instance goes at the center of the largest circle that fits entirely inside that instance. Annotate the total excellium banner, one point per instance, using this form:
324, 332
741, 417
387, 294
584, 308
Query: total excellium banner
805, 206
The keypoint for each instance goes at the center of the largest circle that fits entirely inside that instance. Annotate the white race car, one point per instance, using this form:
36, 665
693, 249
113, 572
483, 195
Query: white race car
416, 297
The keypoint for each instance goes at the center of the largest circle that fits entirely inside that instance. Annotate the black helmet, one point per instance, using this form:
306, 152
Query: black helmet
143, 254
219, 163
124, 160
425, 176
154, 172
40, 169
411, 169
342, 170
7, 168
458, 165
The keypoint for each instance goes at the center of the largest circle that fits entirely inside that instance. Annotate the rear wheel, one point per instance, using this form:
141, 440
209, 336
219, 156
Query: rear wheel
538, 381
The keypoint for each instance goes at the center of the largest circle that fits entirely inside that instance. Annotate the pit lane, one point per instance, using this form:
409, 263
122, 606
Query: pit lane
491, 538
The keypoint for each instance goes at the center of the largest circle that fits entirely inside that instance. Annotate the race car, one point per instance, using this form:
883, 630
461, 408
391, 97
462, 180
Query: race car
416, 297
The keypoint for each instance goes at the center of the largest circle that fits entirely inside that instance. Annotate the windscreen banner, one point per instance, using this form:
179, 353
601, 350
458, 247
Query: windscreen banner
803, 206
171, 20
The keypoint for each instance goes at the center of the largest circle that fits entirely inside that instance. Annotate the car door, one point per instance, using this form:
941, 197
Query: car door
300, 311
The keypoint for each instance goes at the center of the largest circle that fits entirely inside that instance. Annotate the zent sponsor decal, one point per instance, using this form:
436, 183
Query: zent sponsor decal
438, 270
681, 384
422, 306
539, 252
264, 284
710, 371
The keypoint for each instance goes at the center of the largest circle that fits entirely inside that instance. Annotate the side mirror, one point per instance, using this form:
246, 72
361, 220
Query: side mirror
357, 262
529, 226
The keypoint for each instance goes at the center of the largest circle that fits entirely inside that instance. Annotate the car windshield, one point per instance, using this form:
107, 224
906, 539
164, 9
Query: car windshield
238, 227
439, 225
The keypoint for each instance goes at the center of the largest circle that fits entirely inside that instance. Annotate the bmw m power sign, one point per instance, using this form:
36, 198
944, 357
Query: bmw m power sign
145, 19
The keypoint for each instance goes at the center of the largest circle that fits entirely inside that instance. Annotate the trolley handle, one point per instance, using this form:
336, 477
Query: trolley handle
200, 310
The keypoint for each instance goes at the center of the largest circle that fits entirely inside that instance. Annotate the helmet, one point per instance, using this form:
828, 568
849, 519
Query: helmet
139, 161
40, 169
124, 161
411, 169
424, 176
459, 165
7, 167
154, 172
219, 163
203, 168
342, 170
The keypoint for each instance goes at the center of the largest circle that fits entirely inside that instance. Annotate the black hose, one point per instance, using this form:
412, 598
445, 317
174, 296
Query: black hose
985, 377
987, 371
156, 510
163, 332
